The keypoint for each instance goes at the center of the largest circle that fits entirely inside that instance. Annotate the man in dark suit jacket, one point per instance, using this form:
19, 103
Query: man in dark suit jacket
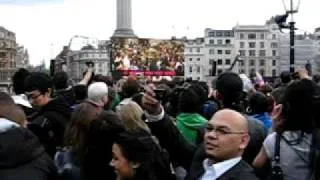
226, 138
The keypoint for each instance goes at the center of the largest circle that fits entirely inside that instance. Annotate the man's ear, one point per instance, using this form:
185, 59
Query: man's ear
244, 141
49, 91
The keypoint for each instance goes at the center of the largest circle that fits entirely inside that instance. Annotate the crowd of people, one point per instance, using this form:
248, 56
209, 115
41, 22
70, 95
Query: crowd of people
149, 55
234, 128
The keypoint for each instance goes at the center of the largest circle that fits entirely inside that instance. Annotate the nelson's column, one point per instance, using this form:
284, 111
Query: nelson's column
124, 20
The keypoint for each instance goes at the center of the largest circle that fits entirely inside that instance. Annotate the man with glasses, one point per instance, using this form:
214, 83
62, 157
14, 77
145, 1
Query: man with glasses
225, 140
52, 113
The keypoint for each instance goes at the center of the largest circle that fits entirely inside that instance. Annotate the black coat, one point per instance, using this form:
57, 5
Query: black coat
23, 157
186, 154
241, 171
49, 124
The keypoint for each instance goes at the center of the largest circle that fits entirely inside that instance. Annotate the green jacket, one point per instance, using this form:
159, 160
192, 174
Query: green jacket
188, 124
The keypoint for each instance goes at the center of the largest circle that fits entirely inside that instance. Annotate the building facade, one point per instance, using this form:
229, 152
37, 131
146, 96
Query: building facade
219, 51
194, 59
305, 52
22, 57
7, 56
98, 56
258, 47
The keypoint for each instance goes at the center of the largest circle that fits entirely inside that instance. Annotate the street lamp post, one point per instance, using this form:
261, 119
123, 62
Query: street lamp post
280, 20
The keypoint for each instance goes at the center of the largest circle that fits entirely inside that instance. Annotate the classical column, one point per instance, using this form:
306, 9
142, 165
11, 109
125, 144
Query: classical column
124, 19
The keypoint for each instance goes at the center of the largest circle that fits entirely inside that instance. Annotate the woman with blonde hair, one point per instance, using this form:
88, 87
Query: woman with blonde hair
132, 116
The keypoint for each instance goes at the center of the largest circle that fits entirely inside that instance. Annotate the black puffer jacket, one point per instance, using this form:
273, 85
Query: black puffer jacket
23, 157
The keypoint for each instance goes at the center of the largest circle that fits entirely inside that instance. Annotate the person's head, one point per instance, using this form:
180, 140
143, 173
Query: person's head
229, 87
76, 133
98, 93
11, 111
258, 103
38, 87
18, 81
136, 157
296, 111
5, 99
192, 98
80, 92
226, 135
316, 78
285, 77
130, 87
60, 80
131, 115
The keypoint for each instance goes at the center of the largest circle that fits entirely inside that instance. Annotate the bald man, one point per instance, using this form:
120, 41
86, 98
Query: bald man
225, 139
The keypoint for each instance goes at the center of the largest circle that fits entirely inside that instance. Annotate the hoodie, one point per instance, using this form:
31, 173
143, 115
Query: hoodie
21, 154
188, 124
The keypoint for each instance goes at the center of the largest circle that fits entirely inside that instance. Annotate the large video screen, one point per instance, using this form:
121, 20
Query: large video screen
148, 57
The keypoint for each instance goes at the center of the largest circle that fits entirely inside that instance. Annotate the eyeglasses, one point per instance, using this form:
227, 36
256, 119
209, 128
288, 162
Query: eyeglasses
32, 96
220, 130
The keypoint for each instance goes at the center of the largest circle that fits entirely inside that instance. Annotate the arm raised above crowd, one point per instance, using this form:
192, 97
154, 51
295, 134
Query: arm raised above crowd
170, 138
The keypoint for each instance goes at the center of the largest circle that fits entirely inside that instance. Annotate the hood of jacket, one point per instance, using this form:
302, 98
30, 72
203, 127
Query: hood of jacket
17, 145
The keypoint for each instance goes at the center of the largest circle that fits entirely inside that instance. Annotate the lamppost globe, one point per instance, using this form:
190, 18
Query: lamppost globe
291, 6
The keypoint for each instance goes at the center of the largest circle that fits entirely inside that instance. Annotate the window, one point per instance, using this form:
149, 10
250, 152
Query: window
190, 69
198, 50
252, 71
190, 59
211, 41
252, 45
274, 53
262, 72
219, 61
274, 36
274, 45
219, 51
211, 61
241, 44
241, 62
261, 62
274, 62
190, 50
274, 73
252, 36
219, 41
242, 53
198, 59
228, 61
211, 51
211, 34
210, 72
252, 53
227, 34
219, 34
228, 41
252, 62
262, 53
261, 36
261, 44
198, 69
219, 71
241, 36
228, 52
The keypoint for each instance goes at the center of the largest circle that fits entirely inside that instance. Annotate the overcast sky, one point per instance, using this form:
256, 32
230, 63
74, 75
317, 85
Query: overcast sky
44, 26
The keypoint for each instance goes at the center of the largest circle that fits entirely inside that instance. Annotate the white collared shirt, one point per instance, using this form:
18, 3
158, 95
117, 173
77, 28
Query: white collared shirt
214, 171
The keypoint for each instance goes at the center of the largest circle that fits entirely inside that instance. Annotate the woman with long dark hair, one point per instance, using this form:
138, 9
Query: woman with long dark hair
294, 122
138, 157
